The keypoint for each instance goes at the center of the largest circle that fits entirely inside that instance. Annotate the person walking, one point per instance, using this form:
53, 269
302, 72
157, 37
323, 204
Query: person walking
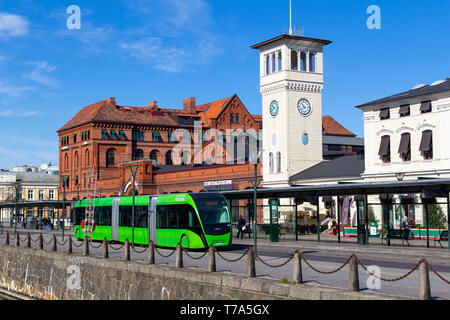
241, 225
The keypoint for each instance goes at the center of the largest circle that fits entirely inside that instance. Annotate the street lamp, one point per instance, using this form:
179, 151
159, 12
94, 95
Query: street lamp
16, 196
133, 169
255, 156
64, 180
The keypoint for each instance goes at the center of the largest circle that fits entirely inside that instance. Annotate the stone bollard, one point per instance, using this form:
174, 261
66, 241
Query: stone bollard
41, 241
251, 270
353, 274
28, 240
212, 259
105, 254
126, 251
17, 239
151, 253
298, 275
7, 238
69, 247
54, 247
86, 246
179, 256
424, 281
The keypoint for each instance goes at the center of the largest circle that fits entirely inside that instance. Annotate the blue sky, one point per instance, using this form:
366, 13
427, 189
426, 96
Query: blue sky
166, 50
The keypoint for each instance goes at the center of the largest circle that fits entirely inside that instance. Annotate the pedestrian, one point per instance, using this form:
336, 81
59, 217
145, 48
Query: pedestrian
241, 227
405, 227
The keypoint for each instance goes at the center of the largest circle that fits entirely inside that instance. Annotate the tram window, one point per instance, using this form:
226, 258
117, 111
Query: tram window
186, 217
102, 216
161, 217
79, 215
141, 216
126, 216
172, 218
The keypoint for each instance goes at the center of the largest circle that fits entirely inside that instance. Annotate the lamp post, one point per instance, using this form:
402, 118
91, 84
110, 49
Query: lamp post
134, 169
64, 179
255, 183
16, 196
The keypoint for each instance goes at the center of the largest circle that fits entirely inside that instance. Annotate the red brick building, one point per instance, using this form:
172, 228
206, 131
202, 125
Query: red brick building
107, 137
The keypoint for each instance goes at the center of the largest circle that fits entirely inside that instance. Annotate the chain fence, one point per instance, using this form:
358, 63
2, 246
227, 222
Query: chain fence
257, 257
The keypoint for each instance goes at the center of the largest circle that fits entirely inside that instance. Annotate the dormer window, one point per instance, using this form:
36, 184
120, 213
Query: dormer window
426, 107
385, 114
405, 110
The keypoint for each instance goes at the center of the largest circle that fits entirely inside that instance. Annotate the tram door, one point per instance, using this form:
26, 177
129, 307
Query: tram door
152, 219
115, 220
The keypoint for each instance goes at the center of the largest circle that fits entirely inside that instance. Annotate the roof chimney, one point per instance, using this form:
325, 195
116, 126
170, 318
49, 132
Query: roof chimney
112, 101
153, 105
189, 105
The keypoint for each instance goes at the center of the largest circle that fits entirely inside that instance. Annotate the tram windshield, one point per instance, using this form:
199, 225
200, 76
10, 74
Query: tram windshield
212, 208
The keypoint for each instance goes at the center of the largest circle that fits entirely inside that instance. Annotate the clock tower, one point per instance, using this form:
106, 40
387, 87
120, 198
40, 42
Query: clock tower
291, 87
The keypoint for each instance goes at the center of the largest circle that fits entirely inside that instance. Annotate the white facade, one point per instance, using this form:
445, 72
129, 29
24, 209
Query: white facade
415, 124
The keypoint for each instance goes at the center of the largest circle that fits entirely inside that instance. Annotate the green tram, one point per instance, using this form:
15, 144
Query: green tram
195, 220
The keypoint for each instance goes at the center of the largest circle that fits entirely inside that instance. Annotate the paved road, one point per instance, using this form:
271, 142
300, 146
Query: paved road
324, 258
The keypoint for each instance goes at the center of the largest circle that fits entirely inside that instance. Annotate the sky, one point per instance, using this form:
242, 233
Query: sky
167, 50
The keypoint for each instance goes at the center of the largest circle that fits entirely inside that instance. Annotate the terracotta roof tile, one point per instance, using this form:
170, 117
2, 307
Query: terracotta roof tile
104, 111
333, 128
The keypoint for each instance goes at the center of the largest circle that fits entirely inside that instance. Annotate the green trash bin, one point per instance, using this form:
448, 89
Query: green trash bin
274, 226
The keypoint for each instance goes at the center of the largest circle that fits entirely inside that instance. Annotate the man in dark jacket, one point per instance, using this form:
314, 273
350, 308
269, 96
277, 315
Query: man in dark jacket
241, 224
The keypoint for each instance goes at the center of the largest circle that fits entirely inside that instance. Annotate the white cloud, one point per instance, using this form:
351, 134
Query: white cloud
12, 113
12, 25
188, 15
152, 50
39, 74
13, 91
4, 58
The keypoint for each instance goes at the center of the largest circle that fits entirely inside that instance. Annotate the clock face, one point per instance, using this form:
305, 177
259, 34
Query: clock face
304, 107
274, 107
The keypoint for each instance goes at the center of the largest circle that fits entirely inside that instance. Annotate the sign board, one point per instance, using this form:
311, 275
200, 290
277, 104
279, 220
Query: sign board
218, 185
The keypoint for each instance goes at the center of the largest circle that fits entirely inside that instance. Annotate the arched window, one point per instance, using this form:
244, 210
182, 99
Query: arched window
280, 61
86, 158
312, 62
426, 145
169, 161
77, 162
110, 158
66, 162
303, 61
405, 147
279, 162
385, 149
154, 156
294, 60
271, 168
138, 154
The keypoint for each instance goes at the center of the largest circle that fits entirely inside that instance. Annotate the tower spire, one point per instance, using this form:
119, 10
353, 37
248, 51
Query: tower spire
290, 17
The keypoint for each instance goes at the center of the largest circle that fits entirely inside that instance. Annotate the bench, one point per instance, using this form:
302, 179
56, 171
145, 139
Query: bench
267, 228
248, 230
443, 236
397, 234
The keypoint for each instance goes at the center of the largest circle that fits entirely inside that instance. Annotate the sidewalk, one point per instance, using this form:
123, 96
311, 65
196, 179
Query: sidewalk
347, 247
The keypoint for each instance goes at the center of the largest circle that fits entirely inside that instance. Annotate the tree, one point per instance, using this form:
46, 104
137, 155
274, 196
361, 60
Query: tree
436, 217
371, 216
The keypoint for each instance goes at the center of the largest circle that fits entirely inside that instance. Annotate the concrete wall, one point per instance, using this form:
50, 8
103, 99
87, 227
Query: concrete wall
52, 275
